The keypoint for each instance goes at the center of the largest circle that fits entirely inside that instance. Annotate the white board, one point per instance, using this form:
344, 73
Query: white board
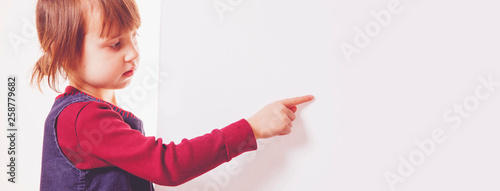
386, 111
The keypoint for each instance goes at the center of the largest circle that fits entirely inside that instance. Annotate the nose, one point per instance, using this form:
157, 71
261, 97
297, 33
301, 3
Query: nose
132, 52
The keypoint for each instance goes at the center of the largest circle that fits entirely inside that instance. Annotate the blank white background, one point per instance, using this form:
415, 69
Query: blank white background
367, 112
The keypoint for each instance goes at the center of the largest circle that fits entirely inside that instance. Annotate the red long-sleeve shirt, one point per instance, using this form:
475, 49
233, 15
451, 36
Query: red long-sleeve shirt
93, 135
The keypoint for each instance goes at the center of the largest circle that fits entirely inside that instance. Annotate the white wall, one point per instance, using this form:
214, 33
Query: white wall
19, 50
407, 82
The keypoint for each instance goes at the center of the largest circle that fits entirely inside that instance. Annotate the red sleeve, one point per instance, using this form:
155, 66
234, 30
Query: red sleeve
105, 139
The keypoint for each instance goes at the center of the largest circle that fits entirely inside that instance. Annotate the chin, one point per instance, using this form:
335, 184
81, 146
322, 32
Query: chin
124, 85
120, 86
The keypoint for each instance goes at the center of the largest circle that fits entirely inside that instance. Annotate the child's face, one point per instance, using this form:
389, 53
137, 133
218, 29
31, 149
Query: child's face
107, 62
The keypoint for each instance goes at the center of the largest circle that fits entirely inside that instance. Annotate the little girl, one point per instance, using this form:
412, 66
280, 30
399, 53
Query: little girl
89, 142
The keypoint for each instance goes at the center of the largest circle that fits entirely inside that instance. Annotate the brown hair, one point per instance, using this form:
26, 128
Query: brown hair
62, 26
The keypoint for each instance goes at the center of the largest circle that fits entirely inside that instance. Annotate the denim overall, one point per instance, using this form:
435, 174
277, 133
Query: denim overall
58, 173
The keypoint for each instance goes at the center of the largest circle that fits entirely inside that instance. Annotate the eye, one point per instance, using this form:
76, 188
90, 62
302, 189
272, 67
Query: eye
115, 45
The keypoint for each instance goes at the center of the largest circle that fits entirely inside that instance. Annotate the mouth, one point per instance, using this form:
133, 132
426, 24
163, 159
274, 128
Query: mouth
129, 73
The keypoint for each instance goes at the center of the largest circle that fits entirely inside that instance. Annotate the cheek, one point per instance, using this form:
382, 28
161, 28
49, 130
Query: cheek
99, 61
99, 67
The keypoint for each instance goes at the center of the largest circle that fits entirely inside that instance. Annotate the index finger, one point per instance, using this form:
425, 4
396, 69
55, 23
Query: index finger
290, 102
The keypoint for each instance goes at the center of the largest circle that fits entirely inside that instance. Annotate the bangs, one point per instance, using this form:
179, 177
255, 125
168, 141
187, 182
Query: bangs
116, 17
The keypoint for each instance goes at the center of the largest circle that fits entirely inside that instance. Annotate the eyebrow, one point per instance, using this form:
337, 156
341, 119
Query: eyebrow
107, 39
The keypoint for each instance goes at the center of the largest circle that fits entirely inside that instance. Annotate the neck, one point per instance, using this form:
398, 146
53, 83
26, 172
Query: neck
101, 93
